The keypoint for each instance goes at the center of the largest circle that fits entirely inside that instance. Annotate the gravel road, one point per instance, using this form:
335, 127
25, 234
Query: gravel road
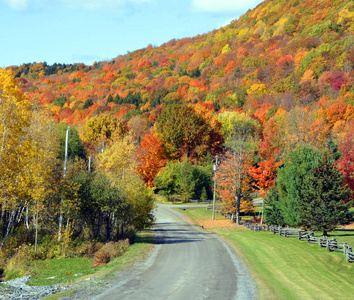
189, 263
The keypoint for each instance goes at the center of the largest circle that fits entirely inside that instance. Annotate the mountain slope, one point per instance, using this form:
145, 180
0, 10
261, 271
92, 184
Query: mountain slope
283, 53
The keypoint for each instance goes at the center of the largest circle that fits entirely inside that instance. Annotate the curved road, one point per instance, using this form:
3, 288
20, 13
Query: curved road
188, 263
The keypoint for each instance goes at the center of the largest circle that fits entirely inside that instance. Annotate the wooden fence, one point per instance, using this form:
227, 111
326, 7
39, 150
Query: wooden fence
303, 235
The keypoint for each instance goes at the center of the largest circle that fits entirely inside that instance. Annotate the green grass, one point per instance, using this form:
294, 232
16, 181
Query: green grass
64, 270
60, 295
286, 268
78, 269
2, 286
201, 214
342, 235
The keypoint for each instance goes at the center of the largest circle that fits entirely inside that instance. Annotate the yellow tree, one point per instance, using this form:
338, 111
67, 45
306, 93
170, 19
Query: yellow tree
102, 129
41, 165
301, 127
14, 147
119, 164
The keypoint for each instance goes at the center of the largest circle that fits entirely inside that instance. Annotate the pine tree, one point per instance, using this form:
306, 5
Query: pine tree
273, 213
290, 182
322, 206
109, 99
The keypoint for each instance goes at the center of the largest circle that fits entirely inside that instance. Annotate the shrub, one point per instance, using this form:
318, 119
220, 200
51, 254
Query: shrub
88, 249
110, 251
19, 264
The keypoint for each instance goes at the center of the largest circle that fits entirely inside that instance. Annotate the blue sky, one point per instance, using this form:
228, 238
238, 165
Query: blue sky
84, 31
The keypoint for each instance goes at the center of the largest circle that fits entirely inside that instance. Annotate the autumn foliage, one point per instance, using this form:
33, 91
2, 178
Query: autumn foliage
287, 74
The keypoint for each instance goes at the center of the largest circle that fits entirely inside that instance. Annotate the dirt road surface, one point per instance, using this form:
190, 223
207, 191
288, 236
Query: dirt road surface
188, 263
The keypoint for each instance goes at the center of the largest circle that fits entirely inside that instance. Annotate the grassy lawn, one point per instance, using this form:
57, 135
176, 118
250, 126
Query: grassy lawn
342, 235
285, 268
200, 214
62, 271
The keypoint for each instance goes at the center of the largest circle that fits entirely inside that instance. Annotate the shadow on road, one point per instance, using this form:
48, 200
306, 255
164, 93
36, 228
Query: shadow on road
169, 234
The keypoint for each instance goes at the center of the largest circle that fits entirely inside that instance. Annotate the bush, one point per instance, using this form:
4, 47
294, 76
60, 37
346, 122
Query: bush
110, 251
88, 249
19, 264
174, 198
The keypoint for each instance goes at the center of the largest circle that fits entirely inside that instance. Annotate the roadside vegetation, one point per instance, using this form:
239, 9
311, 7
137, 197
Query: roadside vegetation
286, 268
90, 209
99, 261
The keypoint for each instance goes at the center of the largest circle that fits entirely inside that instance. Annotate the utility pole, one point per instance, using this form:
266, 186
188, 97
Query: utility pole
65, 170
66, 151
214, 168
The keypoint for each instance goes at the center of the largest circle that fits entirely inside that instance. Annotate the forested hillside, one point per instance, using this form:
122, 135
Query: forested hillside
281, 54
273, 88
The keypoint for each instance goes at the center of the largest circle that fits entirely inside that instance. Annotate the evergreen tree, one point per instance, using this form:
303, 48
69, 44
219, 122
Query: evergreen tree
75, 149
291, 180
322, 206
273, 214
118, 100
109, 99
204, 195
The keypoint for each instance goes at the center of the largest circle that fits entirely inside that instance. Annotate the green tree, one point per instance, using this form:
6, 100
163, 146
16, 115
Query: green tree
109, 99
100, 204
291, 178
185, 133
75, 148
89, 102
322, 205
184, 179
204, 195
60, 101
272, 212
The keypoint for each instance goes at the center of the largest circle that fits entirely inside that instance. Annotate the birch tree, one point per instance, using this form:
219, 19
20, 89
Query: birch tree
14, 119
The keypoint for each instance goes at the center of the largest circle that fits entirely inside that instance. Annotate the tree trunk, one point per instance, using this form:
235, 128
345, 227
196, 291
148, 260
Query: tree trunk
108, 227
238, 212
9, 226
36, 235
27, 225
60, 220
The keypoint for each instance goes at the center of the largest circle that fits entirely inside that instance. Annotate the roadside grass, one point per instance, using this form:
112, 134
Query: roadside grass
200, 214
69, 270
60, 295
342, 235
286, 268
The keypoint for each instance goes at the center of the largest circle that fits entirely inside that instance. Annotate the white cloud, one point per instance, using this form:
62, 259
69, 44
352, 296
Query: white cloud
101, 4
224, 6
17, 4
